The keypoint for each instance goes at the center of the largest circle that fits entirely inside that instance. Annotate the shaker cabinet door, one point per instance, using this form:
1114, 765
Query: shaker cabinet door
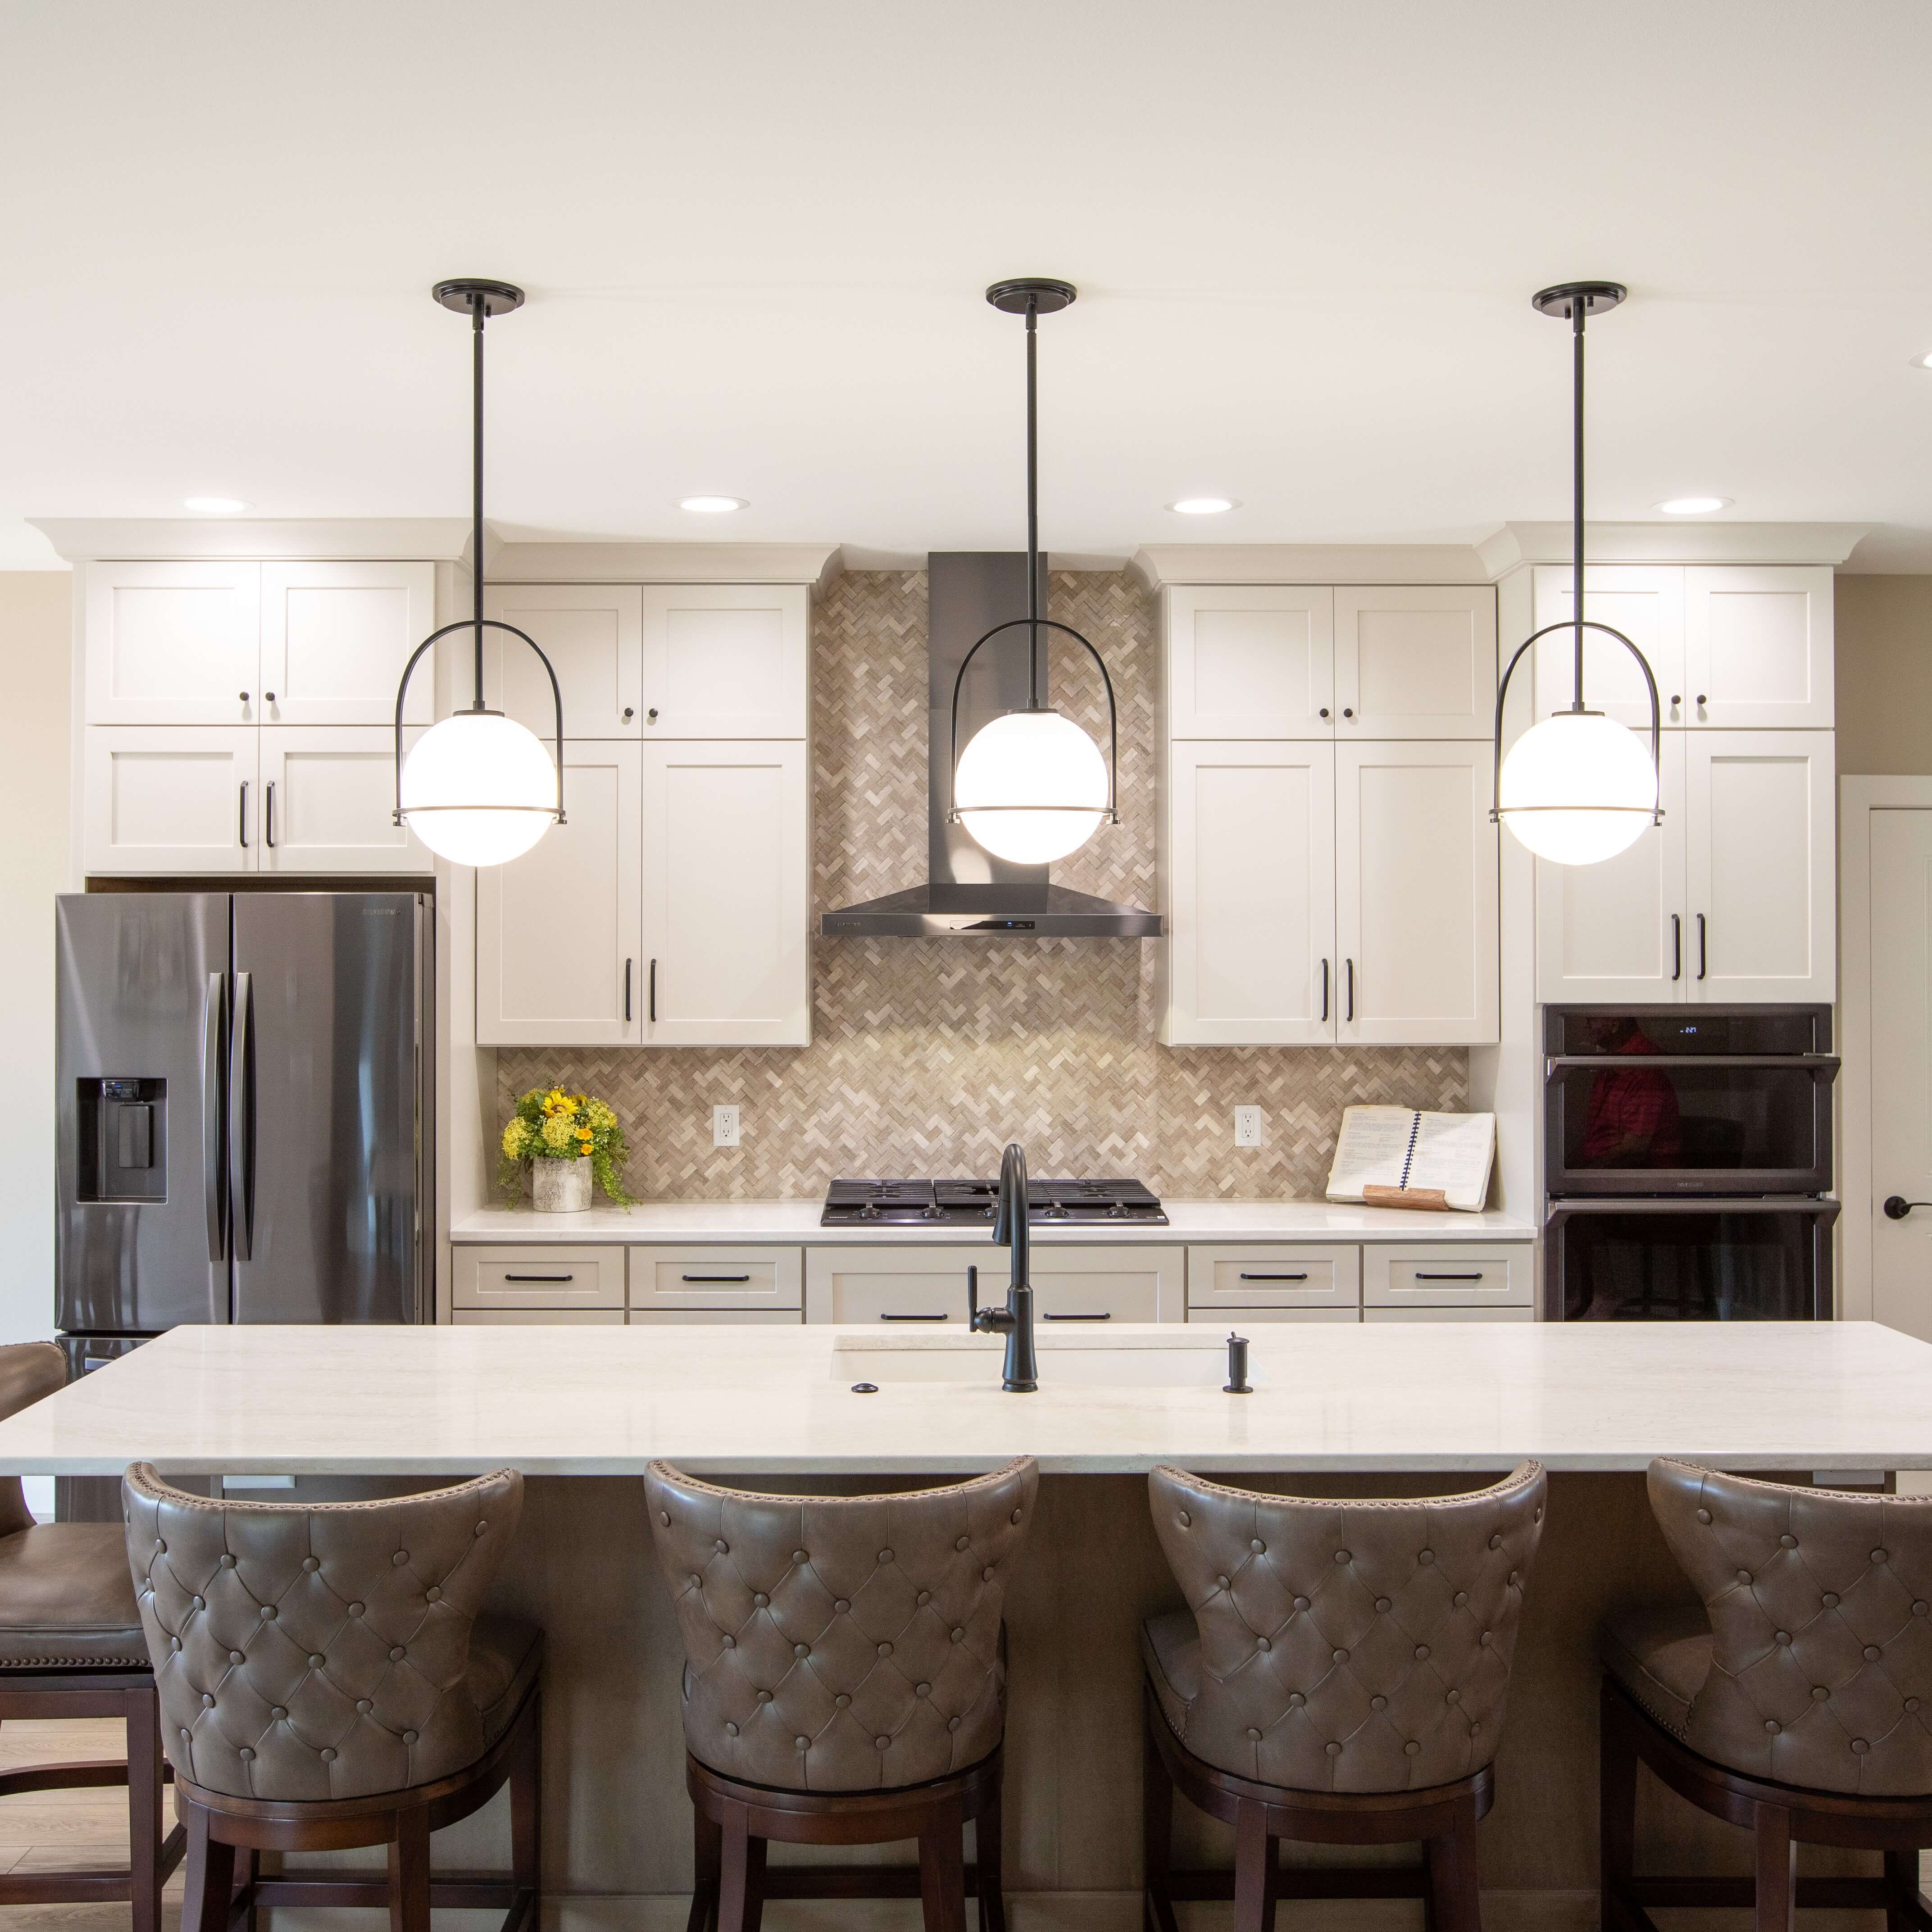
1415, 661
1645, 602
1415, 893
328, 798
174, 643
726, 894
1248, 661
336, 638
725, 660
159, 798
592, 634
1758, 647
557, 931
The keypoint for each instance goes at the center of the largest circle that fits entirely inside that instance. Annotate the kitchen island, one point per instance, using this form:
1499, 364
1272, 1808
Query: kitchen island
1337, 1409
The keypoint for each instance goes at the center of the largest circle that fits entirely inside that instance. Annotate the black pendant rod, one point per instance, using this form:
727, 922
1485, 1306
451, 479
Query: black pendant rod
1579, 309
478, 312
1034, 693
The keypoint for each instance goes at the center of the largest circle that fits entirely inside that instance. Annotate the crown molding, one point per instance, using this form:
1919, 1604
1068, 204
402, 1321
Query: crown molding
1511, 546
619, 562
1159, 564
359, 539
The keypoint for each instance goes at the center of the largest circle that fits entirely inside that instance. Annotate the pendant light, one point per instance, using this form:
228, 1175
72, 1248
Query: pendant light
1579, 787
479, 788
1031, 786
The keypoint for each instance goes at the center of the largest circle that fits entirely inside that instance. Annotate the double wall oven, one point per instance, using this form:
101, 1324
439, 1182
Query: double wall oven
1687, 1163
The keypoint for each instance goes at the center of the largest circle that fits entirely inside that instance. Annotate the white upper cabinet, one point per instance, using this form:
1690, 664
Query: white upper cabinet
1250, 661
726, 894
335, 638
176, 798
1645, 602
329, 797
1415, 661
1251, 894
1614, 931
558, 930
1758, 648
174, 643
593, 635
1415, 892
1761, 889
724, 660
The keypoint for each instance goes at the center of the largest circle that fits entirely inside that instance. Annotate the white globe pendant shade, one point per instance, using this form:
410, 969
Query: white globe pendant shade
1578, 788
1031, 758
479, 789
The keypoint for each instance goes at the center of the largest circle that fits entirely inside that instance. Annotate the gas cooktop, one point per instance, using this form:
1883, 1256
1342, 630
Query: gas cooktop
970, 1203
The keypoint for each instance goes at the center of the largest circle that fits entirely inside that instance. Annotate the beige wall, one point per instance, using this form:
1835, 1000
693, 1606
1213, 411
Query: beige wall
36, 625
1884, 629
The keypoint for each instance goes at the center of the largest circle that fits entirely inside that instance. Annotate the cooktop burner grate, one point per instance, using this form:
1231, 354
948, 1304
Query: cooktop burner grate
969, 1204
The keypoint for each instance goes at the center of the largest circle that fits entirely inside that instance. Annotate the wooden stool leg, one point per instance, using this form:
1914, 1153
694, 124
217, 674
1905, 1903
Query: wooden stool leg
142, 1713
942, 1877
1455, 1898
1257, 1877
986, 1850
1777, 1871
247, 1870
526, 1815
1156, 1830
211, 1877
1616, 1817
707, 1847
409, 1873
1901, 1891
741, 1883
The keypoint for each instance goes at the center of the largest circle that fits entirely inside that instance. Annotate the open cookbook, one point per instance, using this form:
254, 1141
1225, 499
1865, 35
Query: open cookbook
1397, 1157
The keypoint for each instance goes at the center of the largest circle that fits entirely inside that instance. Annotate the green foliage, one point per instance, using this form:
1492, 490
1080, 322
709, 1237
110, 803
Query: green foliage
549, 1124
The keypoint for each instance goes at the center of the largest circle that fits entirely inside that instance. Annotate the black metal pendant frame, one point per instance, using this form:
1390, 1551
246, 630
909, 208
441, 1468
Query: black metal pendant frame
1033, 297
479, 298
1574, 302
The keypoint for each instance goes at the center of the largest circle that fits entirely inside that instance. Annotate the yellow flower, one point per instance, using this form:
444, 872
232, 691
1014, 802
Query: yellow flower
514, 1137
601, 1116
558, 1136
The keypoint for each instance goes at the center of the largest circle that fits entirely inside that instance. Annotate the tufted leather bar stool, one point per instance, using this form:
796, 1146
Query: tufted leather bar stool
327, 1680
1340, 1676
71, 1646
1795, 1699
844, 1683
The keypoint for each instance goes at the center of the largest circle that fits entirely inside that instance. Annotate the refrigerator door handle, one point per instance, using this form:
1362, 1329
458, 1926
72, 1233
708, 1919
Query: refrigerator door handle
214, 1164
242, 1115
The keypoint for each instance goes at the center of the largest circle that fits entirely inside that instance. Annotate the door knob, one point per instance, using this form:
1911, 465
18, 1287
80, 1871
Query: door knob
1897, 1207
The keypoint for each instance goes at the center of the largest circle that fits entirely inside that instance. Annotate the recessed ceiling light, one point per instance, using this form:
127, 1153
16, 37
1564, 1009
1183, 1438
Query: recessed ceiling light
712, 506
213, 506
1923, 362
1204, 506
1693, 506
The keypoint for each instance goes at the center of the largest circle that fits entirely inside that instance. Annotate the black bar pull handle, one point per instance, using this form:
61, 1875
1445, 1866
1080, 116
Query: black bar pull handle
654, 993
627, 965
915, 1318
269, 813
540, 1277
1302, 1277
1420, 1277
1703, 958
1107, 1316
1349, 966
722, 1279
1676, 946
1324, 989
241, 816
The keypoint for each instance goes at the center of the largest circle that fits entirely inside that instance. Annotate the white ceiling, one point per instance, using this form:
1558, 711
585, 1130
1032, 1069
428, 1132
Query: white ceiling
755, 236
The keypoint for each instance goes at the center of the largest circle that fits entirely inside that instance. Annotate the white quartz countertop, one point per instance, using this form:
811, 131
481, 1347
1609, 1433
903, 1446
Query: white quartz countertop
1200, 1221
565, 1401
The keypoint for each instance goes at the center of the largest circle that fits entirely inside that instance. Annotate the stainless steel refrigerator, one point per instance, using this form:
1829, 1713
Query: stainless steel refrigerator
244, 1107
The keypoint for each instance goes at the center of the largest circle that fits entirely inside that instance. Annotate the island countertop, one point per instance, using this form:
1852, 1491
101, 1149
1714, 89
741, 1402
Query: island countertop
560, 1401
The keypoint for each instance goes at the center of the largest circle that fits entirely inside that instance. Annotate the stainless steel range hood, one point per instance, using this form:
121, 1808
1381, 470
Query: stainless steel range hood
969, 893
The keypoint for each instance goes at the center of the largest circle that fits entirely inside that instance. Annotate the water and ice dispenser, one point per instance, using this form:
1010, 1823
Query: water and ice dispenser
122, 1124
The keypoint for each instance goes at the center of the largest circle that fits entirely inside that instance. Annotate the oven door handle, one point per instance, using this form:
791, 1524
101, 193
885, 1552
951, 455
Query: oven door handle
1646, 1205
1660, 1063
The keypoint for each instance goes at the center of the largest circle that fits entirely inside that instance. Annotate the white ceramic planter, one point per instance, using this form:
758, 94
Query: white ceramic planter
560, 1187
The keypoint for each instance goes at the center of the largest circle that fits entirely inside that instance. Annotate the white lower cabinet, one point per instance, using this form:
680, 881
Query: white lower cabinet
663, 1279
718, 1317
329, 799
1452, 1282
1444, 1277
1247, 1317
1448, 1315
537, 1318
170, 798
1251, 1277
928, 1285
540, 1276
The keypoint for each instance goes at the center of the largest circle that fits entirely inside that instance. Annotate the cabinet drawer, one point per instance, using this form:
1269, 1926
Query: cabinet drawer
1497, 1313
708, 1277
537, 1277
928, 1285
1242, 1319
722, 1317
1446, 1277
537, 1318
1274, 1277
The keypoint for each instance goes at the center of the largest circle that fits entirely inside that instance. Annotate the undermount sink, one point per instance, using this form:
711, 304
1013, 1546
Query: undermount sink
1122, 1360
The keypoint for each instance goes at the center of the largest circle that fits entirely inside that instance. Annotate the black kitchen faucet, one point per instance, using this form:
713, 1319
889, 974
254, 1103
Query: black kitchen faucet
1014, 1321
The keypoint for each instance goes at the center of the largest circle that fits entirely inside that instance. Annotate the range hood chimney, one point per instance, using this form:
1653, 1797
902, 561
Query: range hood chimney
969, 893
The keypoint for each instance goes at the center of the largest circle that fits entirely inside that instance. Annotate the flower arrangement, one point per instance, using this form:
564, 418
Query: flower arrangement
549, 1124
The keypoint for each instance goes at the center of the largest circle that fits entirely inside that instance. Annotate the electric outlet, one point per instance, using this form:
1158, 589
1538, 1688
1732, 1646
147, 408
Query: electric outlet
723, 1127
1247, 1126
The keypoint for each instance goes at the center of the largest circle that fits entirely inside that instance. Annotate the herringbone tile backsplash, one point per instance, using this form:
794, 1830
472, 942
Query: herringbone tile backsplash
928, 1055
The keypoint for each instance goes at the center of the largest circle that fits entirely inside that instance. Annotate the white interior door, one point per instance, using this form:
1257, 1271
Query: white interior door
1900, 953
726, 660
336, 638
1758, 647
1247, 661
726, 894
558, 955
1617, 931
592, 633
1762, 875
1416, 912
328, 798
173, 643
1415, 661
170, 798
1645, 602
1251, 894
